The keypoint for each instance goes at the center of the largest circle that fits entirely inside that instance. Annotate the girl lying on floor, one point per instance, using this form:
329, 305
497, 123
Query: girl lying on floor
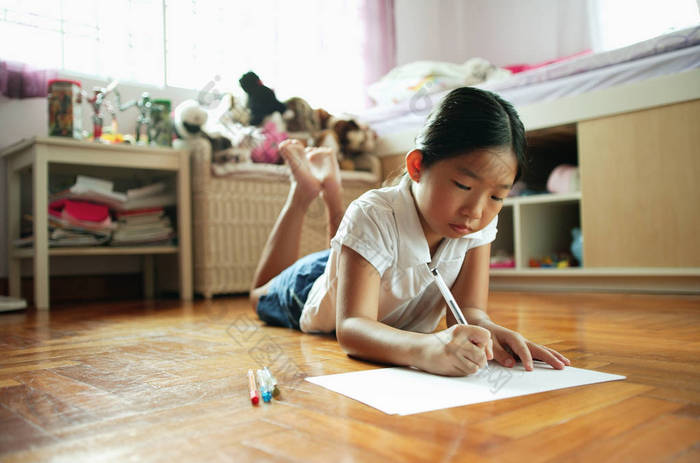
373, 287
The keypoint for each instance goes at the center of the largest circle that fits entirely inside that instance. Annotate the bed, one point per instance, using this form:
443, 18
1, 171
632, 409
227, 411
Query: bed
629, 119
673, 54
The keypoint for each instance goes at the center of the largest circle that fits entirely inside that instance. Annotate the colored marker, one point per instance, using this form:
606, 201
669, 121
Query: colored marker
273, 382
450, 299
252, 389
264, 386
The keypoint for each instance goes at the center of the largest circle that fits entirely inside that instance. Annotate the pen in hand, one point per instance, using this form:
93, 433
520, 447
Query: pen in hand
450, 299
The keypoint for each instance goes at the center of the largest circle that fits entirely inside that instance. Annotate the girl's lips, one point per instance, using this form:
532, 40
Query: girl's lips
461, 229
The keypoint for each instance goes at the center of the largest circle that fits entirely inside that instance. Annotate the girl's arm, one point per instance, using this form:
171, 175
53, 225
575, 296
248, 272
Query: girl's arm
459, 350
471, 290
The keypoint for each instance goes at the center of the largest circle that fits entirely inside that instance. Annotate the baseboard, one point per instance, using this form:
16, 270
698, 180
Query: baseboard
655, 284
76, 288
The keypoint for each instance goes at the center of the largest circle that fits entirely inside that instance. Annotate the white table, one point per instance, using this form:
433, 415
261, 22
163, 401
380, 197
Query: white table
36, 154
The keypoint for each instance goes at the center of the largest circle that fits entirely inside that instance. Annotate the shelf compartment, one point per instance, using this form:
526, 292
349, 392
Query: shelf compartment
505, 238
545, 228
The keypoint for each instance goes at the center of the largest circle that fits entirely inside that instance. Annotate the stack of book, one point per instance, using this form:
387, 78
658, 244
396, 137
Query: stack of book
142, 226
74, 223
102, 192
82, 215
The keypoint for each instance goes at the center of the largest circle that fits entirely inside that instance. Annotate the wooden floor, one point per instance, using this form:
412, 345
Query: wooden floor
166, 382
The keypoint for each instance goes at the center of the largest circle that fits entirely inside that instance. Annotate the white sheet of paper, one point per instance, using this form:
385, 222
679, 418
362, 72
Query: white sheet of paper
405, 391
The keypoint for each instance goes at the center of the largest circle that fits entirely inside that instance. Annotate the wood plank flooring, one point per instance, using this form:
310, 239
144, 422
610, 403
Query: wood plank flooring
166, 381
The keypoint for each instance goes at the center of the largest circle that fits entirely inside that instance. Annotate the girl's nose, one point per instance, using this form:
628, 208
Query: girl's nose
472, 209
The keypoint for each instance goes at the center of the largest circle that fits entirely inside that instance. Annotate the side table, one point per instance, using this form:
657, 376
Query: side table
37, 154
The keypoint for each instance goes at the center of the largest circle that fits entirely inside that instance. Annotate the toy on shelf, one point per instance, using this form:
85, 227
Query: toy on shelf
144, 121
161, 129
559, 260
502, 259
577, 245
564, 178
99, 95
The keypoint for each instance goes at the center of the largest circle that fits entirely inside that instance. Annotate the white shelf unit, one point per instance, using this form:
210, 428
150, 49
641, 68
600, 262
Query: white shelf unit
537, 226
36, 160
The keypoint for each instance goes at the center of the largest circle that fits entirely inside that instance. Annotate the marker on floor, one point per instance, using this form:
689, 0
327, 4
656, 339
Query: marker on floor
252, 389
264, 386
273, 382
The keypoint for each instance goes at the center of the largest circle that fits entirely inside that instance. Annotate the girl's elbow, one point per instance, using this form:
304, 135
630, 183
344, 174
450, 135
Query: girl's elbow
345, 334
342, 334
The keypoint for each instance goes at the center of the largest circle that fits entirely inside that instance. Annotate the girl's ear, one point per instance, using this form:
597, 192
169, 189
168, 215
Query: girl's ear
414, 164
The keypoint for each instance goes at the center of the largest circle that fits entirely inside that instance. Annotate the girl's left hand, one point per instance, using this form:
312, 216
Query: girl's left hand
508, 342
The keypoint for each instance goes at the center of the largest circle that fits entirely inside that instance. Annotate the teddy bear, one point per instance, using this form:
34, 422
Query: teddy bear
261, 99
300, 117
351, 140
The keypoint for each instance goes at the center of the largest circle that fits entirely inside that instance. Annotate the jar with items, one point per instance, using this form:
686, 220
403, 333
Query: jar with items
65, 111
160, 132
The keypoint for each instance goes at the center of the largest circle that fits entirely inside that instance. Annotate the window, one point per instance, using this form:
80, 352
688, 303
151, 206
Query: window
120, 39
618, 23
307, 48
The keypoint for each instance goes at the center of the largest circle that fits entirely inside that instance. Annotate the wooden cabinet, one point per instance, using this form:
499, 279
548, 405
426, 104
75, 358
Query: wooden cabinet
638, 208
640, 175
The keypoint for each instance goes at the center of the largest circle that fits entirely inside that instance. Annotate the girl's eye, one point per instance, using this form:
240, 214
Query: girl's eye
496, 198
463, 187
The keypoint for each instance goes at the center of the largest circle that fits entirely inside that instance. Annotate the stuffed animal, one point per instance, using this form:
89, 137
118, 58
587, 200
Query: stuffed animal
261, 99
190, 119
273, 131
349, 139
300, 117
237, 110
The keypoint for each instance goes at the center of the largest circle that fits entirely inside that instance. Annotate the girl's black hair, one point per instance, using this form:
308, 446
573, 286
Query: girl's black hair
468, 119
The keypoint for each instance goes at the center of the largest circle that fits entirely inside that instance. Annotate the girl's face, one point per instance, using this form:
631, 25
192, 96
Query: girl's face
462, 194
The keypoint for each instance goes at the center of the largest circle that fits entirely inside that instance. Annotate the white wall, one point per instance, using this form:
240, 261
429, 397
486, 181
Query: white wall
501, 31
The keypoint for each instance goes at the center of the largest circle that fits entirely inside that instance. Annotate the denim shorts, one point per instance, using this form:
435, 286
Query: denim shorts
288, 291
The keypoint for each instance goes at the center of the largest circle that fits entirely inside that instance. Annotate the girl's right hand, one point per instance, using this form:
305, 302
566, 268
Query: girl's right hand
460, 350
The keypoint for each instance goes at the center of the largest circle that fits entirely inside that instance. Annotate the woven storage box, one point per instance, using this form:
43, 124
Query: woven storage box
234, 214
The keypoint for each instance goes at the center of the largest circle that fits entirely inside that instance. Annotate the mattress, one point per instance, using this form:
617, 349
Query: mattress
668, 54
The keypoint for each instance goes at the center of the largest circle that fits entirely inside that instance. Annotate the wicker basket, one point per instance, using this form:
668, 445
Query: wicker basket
234, 214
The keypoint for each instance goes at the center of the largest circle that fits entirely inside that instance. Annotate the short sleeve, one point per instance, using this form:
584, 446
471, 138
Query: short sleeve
369, 230
486, 235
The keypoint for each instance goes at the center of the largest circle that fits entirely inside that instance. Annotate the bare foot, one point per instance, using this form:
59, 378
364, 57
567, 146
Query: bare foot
303, 178
324, 166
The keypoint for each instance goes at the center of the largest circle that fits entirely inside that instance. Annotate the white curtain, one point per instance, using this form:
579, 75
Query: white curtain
323, 51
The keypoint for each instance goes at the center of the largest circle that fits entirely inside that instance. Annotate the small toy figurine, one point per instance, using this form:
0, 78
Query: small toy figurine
98, 97
144, 121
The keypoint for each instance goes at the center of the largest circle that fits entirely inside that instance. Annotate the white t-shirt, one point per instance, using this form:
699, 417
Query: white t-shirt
383, 227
